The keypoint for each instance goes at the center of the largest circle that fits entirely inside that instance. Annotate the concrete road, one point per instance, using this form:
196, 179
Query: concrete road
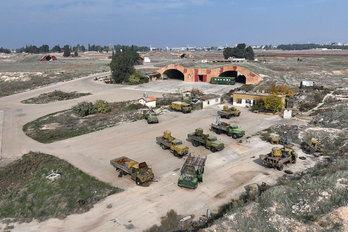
226, 173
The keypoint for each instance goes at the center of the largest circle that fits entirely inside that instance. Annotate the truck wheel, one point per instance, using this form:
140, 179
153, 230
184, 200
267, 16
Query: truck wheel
138, 182
228, 117
176, 154
213, 149
238, 114
235, 136
218, 131
163, 147
280, 167
195, 143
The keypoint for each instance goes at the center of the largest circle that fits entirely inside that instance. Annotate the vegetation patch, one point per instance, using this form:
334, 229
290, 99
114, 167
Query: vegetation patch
56, 95
26, 193
84, 118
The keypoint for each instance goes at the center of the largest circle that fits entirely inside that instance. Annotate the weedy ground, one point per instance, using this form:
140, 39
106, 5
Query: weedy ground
26, 193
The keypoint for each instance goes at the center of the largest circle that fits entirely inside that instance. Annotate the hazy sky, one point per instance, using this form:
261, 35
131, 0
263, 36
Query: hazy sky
171, 23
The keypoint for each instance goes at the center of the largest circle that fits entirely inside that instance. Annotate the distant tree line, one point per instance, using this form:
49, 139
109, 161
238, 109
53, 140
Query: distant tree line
78, 48
310, 46
4, 50
240, 51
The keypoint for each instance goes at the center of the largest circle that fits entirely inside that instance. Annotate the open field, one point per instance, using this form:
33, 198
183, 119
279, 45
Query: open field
226, 174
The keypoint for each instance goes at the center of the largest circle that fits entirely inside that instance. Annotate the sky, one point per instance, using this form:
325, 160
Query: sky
171, 23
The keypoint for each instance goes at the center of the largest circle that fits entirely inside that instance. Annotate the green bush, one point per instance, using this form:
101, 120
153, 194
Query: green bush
84, 108
102, 106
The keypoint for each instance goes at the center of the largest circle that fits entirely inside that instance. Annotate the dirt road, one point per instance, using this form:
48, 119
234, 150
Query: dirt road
226, 173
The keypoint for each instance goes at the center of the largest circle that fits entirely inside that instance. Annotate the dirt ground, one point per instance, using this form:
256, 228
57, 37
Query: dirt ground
226, 173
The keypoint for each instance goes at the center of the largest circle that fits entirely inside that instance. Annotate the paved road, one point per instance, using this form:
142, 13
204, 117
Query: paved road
226, 173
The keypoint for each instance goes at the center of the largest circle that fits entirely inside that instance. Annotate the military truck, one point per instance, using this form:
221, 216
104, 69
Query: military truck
231, 130
151, 117
192, 171
174, 145
312, 147
181, 106
279, 156
281, 140
228, 112
140, 172
210, 142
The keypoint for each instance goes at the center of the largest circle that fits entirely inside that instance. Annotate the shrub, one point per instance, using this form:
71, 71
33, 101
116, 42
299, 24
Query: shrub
102, 106
84, 108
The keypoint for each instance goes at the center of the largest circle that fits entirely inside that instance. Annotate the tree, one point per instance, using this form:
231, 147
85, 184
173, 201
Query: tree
273, 102
76, 53
135, 56
227, 52
122, 66
66, 50
249, 53
56, 49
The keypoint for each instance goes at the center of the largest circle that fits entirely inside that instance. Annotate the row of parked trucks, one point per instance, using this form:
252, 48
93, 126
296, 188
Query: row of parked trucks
192, 170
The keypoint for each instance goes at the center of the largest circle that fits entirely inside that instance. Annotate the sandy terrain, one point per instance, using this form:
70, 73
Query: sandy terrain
226, 173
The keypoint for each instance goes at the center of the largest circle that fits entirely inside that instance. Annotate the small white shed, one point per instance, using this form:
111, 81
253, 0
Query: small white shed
148, 101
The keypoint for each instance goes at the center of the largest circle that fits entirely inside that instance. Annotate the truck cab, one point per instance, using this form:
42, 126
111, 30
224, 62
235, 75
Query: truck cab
213, 143
140, 172
235, 131
190, 177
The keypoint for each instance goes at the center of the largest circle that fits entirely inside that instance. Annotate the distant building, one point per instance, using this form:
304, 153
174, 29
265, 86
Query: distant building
248, 99
148, 101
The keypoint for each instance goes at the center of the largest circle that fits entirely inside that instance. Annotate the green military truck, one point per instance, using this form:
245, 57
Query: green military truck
231, 130
181, 106
151, 117
140, 172
227, 112
174, 145
192, 171
210, 142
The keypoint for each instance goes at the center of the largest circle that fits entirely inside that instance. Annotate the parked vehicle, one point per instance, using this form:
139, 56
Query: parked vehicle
281, 140
151, 117
108, 81
312, 147
140, 172
174, 145
231, 130
228, 112
210, 142
181, 106
223, 80
192, 171
280, 156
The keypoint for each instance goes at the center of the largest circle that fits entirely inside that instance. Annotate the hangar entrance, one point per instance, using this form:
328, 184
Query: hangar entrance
174, 74
239, 78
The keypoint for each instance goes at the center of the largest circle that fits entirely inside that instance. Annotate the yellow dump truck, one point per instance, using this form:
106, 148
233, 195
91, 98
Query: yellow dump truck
140, 172
228, 112
181, 106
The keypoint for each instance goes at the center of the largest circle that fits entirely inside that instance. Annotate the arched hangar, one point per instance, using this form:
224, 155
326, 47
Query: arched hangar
174, 71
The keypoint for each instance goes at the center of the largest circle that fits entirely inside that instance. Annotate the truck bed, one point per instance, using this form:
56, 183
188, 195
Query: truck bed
162, 140
193, 136
196, 161
121, 163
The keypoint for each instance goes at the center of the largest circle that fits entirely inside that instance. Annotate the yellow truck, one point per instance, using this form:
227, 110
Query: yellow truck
174, 145
140, 172
181, 106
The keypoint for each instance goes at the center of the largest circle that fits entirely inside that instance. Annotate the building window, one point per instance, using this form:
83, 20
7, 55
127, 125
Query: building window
239, 101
